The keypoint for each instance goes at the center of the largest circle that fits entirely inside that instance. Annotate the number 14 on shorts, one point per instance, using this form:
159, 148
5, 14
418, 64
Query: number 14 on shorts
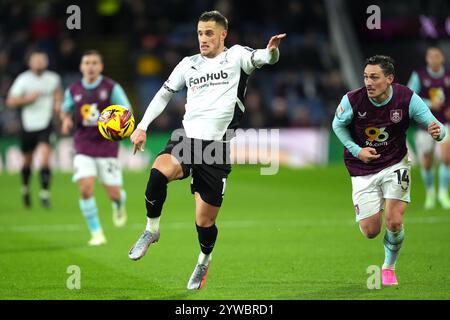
403, 178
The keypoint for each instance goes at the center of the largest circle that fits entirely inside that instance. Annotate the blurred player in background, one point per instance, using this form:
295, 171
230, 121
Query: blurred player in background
94, 155
38, 94
216, 80
432, 84
372, 122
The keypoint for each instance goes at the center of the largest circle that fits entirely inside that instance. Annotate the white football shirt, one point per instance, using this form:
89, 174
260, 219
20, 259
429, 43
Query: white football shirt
37, 115
215, 89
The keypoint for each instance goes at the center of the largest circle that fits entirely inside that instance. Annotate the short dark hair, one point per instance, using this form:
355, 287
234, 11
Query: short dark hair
92, 52
214, 16
386, 63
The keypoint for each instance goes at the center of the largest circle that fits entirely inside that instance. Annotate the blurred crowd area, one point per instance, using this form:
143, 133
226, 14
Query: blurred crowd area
301, 90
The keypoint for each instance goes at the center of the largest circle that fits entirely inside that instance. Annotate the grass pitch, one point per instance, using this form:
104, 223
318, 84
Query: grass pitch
287, 236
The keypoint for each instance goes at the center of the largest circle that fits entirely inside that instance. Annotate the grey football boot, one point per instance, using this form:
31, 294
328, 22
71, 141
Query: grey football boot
141, 246
198, 277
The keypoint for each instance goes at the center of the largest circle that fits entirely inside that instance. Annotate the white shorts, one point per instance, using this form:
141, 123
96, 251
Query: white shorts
107, 170
426, 144
369, 192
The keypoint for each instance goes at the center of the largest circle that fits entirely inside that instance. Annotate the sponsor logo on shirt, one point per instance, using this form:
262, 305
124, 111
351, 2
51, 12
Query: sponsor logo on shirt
209, 77
376, 137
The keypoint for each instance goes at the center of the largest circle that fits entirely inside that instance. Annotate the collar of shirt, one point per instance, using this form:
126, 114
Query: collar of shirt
92, 85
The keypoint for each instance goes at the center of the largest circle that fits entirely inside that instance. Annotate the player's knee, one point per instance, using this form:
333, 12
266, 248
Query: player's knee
114, 193
370, 231
205, 222
86, 194
86, 191
166, 164
394, 224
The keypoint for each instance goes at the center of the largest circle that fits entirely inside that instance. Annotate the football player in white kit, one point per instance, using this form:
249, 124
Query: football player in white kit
216, 80
38, 94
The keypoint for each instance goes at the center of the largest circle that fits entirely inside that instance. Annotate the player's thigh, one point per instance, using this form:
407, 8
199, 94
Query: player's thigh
371, 226
84, 167
205, 213
367, 197
170, 166
394, 212
109, 171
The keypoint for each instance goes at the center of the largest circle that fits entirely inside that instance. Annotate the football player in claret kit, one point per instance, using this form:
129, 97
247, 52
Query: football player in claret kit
216, 80
94, 155
372, 122
432, 84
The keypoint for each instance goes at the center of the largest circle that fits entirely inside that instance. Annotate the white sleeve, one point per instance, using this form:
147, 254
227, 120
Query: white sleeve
17, 89
252, 59
174, 83
156, 106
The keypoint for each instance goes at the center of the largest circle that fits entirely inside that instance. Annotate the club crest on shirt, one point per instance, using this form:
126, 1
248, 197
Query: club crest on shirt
103, 95
396, 115
77, 98
362, 115
426, 83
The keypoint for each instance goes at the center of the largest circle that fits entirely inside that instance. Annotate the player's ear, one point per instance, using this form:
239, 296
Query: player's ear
390, 78
223, 35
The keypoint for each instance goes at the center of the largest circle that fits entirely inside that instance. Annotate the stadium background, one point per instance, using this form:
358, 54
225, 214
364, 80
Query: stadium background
291, 235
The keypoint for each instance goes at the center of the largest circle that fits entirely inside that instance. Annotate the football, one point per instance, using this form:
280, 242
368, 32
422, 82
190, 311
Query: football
116, 123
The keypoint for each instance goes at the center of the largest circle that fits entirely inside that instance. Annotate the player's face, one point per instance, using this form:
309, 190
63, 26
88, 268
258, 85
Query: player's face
38, 62
376, 82
91, 67
435, 59
211, 38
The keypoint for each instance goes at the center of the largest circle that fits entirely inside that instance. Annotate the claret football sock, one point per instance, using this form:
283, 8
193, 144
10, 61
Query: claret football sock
90, 212
392, 244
